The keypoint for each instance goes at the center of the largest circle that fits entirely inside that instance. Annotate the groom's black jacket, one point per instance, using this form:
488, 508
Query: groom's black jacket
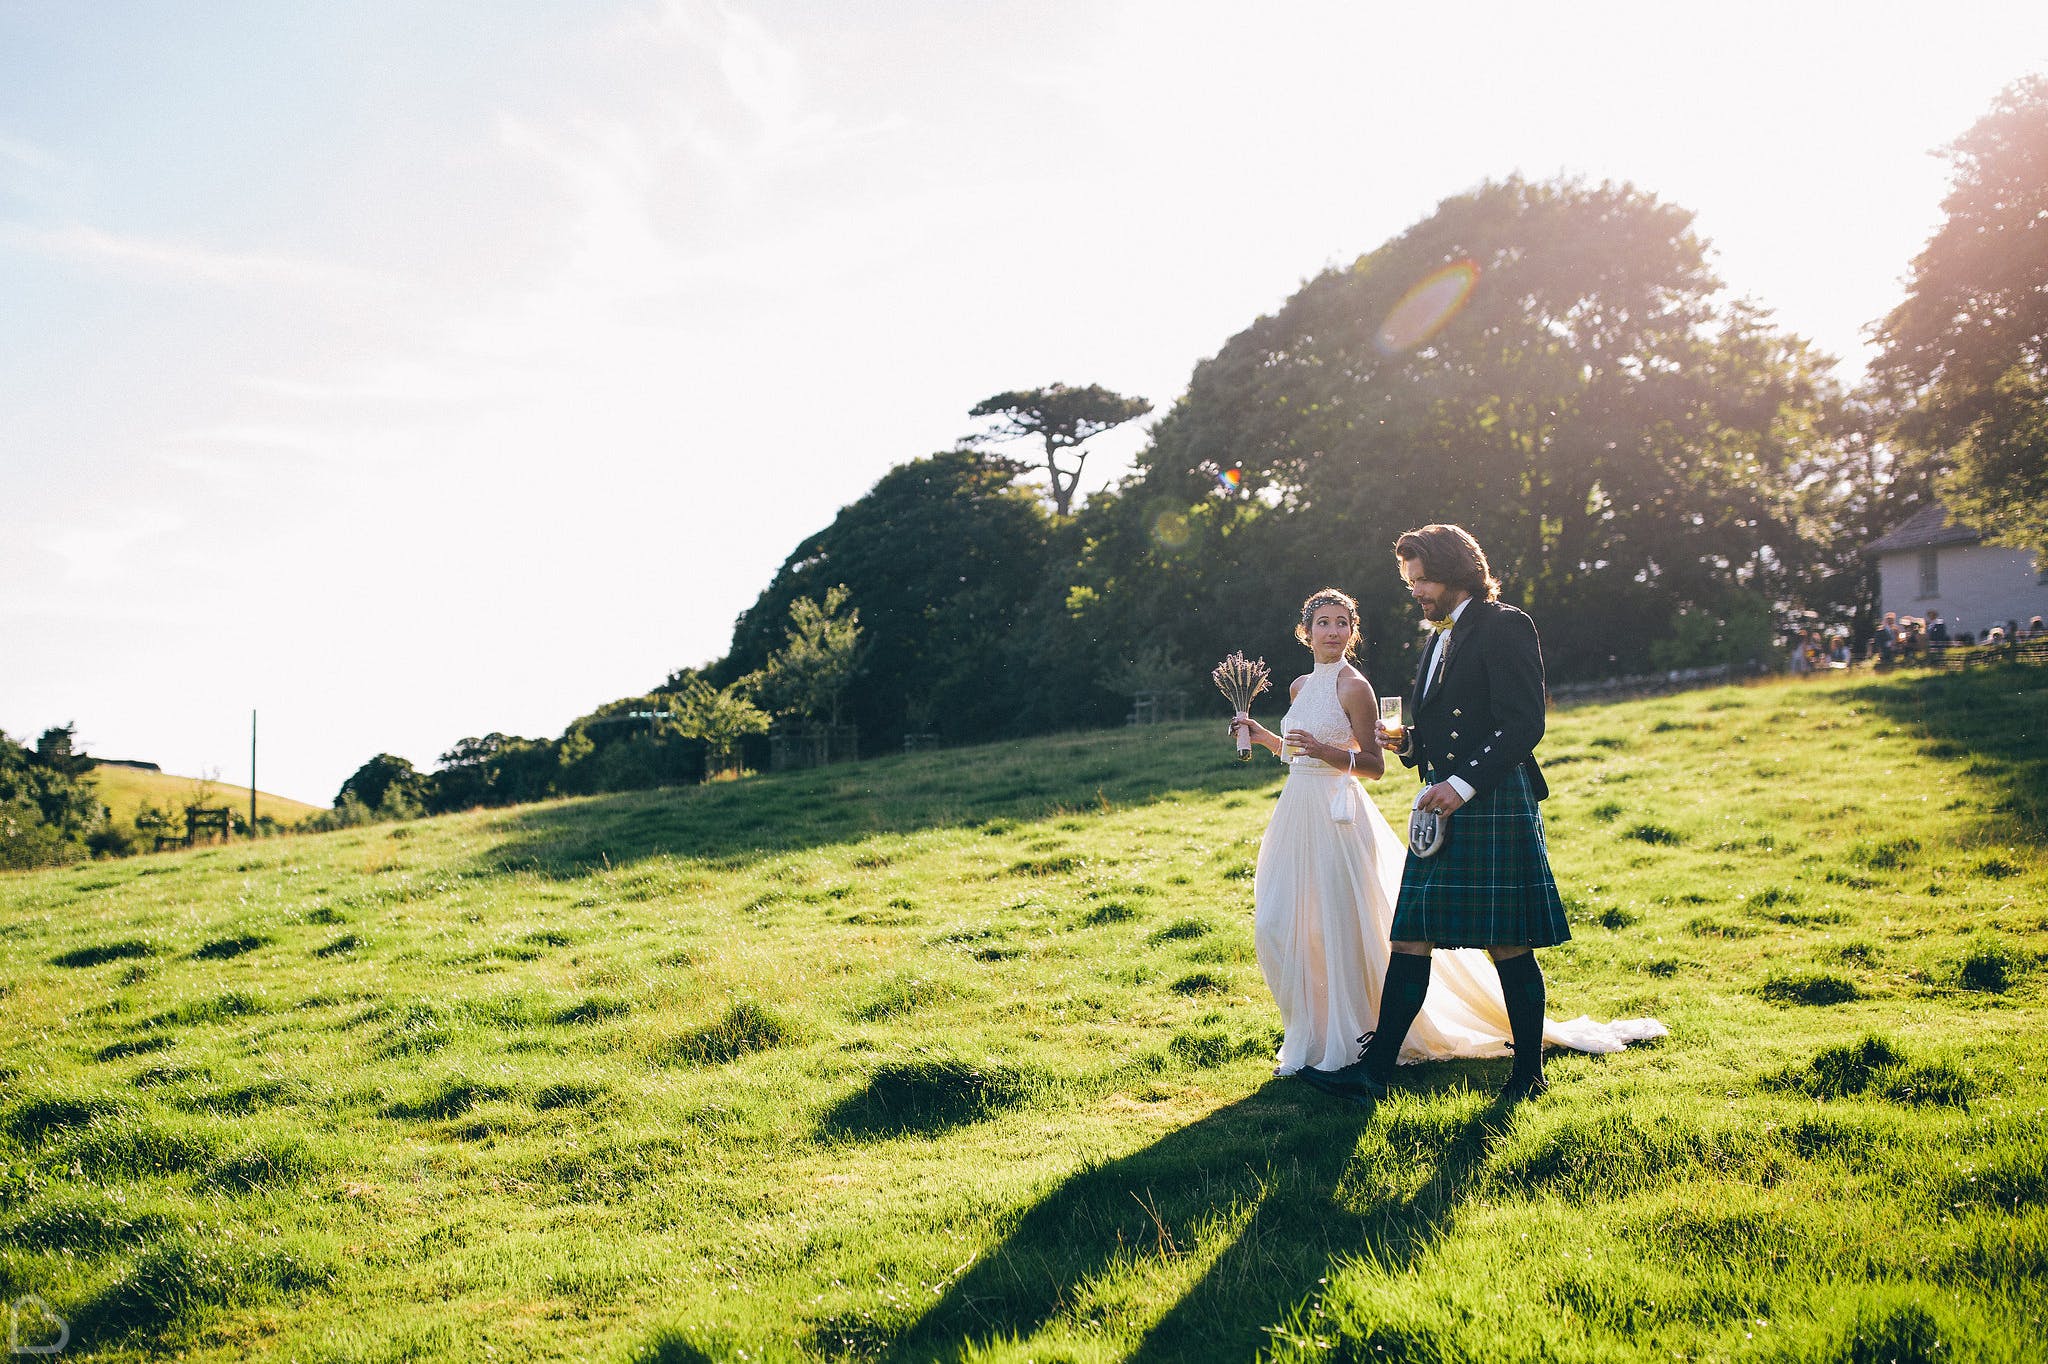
1485, 717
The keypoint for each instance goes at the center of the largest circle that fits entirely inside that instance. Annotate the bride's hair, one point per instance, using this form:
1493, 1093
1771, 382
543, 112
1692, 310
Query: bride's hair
1328, 596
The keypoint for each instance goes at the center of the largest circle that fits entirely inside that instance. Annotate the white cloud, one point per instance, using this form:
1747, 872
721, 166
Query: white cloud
98, 247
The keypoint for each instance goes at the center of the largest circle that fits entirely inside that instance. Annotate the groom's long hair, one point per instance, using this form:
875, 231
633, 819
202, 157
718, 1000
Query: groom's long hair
1452, 557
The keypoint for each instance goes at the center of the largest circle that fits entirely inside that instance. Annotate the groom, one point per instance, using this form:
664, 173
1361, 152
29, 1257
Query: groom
1476, 720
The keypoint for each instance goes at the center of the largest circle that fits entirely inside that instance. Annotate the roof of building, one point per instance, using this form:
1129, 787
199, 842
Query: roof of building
1928, 528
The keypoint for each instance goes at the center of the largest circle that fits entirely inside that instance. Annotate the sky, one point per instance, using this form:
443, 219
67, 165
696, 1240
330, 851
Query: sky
406, 372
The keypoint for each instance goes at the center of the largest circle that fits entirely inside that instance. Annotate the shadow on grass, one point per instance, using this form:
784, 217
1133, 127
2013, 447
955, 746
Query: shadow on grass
1282, 1175
1997, 717
735, 824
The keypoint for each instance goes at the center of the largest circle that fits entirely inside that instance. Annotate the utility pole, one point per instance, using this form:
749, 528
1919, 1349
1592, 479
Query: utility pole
252, 774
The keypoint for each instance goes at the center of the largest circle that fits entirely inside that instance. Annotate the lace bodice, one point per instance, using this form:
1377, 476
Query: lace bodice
1317, 710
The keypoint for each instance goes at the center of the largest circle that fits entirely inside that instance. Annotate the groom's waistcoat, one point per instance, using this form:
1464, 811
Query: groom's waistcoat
1485, 716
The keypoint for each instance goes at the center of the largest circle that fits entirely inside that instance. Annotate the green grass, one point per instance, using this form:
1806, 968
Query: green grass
966, 1056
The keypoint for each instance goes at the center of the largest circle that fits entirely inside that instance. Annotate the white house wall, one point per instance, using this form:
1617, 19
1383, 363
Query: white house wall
1981, 586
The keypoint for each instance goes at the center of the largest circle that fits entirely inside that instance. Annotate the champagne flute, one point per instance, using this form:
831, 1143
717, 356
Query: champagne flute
1390, 718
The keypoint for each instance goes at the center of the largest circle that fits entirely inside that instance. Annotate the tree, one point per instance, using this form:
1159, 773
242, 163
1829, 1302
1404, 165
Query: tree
497, 769
47, 816
1062, 418
1966, 352
721, 717
807, 677
1621, 440
944, 558
387, 784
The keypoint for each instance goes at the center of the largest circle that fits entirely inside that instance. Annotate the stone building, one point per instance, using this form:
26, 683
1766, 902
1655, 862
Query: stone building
1928, 564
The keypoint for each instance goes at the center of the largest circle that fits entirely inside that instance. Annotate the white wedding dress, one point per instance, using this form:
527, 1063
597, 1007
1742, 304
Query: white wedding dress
1329, 872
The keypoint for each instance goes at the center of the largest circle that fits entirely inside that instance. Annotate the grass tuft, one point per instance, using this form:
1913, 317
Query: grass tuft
596, 1010
98, 954
267, 1163
1810, 987
1200, 983
34, 1120
1180, 930
451, 1099
1990, 966
1837, 1072
222, 949
182, 1275
341, 946
900, 995
929, 1095
1892, 854
744, 1028
1109, 912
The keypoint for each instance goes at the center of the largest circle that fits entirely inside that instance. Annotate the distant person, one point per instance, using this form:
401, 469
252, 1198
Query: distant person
1937, 631
2035, 629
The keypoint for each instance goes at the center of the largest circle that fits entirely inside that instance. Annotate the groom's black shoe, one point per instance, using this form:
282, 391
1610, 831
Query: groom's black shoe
1352, 1082
1523, 1085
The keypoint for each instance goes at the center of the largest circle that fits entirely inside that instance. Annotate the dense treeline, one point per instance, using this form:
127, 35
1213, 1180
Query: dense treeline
1659, 474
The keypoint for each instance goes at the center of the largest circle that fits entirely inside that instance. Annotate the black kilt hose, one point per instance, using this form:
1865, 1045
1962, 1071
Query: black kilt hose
1490, 885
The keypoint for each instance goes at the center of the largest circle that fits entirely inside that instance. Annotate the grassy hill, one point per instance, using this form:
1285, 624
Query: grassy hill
124, 790
966, 1055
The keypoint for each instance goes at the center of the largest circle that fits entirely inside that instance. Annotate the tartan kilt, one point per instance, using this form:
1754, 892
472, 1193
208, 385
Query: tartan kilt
1490, 886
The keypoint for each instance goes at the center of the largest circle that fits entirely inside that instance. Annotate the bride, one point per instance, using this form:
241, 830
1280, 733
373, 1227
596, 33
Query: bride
1329, 872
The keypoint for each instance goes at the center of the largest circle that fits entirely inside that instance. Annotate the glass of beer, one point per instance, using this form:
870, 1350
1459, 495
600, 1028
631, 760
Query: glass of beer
1390, 718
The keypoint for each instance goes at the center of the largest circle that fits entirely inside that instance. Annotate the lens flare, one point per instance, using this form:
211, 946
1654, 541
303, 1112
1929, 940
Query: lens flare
1425, 309
1231, 479
1170, 530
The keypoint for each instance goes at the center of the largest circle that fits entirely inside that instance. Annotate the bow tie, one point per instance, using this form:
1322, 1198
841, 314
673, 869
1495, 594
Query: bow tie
1440, 625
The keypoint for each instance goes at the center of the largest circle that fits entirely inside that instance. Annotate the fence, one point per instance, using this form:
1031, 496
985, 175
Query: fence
1644, 684
1158, 708
1959, 657
814, 747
